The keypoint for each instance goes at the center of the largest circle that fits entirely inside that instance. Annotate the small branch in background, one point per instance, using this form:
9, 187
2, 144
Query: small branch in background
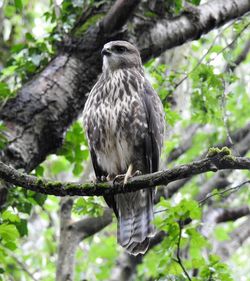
230, 67
224, 193
219, 182
204, 56
236, 136
237, 237
231, 43
210, 48
232, 214
178, 256
126, 264
187, 142
57, 10
224, 112
241, 139
88, 226
21, 264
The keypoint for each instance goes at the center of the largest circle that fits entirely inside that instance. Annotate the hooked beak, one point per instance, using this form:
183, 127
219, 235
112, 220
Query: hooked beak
106, 52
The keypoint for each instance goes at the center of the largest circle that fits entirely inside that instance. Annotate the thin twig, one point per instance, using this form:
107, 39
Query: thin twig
221, 193
204, 56
231, 43
21, 264
224, 113
209, 49
178, 256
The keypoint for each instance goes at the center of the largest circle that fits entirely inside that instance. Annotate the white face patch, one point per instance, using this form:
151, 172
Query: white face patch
105, 63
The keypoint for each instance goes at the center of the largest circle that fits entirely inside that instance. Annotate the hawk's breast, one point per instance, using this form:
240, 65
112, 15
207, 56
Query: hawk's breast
115, 120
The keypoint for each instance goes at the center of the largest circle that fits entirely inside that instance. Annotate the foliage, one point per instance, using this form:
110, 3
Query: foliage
215, 100
75, 148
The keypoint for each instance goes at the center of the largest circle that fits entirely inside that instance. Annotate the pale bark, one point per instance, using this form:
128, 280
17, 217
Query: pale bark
237, 238
71, 234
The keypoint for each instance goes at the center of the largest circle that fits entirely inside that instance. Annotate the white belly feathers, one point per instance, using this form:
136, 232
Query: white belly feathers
112, 111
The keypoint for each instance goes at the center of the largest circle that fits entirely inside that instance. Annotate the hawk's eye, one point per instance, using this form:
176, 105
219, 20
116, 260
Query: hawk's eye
120, 49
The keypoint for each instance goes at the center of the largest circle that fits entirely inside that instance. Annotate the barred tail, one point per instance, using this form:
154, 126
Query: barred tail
135, 216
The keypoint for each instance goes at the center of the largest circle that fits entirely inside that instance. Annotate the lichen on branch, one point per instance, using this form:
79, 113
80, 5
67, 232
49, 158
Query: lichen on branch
217, 159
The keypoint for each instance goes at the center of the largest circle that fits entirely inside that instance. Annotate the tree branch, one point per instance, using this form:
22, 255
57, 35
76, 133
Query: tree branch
191, 25
216, 160
239, 59
91, 225
72, 233
223, 193
48, 103
186, 143
118, 15
238, 237
232, 214
178, 255
219, 181
241, 140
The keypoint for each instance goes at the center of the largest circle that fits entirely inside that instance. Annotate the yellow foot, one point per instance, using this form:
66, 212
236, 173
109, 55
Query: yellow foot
124, 178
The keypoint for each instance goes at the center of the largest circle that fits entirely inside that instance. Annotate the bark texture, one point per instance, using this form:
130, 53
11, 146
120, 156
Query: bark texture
222, 160
45, 106
71, 234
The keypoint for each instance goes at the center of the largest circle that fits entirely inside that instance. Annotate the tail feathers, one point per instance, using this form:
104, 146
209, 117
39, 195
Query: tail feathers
136, 248
135, 216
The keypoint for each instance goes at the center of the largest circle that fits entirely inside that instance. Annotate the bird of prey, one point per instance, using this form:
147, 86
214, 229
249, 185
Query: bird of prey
124, 124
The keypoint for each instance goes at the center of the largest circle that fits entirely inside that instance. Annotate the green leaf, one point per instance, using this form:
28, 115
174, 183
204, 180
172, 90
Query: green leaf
9, 11
30, 37
8, 232
58, 165
221, 233
39, 198
195, 2
18, 47
9, 216
90, 205
22, 227
10, 245
39, 171
78, 168
24, 207
4, 90
19, 5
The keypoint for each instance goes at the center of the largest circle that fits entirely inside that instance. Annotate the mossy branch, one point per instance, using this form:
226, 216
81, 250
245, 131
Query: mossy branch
216, 160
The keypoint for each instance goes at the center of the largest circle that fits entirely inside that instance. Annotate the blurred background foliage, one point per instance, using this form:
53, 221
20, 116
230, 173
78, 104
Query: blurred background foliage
196, 89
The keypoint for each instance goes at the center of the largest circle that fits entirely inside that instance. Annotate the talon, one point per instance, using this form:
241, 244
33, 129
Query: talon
109, 177
137, 173
128, 174
119, 179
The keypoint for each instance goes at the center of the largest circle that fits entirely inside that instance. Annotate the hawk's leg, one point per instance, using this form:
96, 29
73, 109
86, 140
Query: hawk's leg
129, 174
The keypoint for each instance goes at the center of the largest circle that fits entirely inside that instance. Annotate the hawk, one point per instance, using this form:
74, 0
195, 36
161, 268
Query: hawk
124, 124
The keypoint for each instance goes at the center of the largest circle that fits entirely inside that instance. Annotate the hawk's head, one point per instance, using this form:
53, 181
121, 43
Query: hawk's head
120, 54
